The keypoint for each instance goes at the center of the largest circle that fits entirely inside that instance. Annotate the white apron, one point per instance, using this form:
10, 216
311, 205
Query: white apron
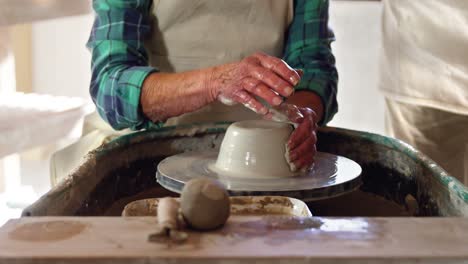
425, 55
194, 34
424, 76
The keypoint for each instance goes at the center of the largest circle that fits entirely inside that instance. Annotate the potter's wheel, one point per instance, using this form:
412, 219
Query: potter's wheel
331, 176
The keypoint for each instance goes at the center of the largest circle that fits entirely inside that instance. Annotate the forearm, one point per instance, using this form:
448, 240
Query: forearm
166, 95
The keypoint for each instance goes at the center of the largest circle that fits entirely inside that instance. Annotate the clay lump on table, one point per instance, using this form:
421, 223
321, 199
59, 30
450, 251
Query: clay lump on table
204, 205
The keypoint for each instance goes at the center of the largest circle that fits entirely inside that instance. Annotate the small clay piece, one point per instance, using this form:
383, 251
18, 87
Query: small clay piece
205, 204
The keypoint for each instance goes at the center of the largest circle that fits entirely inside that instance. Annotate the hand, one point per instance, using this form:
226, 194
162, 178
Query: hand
301, 144
259, 75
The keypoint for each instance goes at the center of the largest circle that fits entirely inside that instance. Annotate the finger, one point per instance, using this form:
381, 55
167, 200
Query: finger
305, 161
293, 112
314, 125
309, 113
250, 102
280, 67
305, 148
272, 80
300, 72
258, 88
252, 59
268, 116
300, 134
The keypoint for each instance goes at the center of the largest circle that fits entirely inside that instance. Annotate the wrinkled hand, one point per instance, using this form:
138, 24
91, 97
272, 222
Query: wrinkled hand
301, 144
258, 75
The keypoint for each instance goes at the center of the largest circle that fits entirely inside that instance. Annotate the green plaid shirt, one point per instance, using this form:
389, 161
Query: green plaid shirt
120, 61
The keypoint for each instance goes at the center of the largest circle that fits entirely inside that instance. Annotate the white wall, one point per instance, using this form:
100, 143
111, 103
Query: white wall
7, 63
357, 28
61, 62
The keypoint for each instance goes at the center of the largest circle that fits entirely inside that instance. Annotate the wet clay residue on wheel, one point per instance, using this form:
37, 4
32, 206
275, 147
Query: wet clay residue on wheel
47, 231
267, 205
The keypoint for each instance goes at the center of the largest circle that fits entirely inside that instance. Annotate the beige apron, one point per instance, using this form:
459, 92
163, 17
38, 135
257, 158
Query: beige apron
425, 58
441, 135
424, 76
190, 35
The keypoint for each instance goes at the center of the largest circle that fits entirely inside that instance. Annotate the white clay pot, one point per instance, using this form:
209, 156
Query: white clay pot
255, 149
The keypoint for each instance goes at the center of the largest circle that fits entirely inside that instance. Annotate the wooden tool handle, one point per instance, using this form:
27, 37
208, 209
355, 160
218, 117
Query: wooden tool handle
168, 209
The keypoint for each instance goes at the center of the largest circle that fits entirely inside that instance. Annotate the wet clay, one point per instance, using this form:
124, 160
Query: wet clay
47, 231
358, 203
204, 204
281, 230
245, 205
272, 222
283, 206
267, 200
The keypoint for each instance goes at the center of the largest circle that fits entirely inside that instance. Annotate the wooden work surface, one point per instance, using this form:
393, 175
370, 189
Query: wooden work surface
244, 239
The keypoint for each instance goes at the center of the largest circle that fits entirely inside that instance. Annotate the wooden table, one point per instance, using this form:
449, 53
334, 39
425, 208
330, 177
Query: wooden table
245, 239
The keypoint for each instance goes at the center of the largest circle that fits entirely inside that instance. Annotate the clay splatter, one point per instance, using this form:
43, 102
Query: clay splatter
47, 231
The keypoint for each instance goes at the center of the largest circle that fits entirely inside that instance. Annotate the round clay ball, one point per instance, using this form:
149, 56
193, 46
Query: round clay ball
205, 204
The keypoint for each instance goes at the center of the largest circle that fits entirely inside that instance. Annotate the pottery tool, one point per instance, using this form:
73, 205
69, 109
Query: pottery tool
169, 222
204, 205
284, 113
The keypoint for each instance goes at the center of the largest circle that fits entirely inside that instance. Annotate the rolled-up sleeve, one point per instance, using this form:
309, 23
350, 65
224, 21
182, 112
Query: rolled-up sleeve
119, 60
308, 48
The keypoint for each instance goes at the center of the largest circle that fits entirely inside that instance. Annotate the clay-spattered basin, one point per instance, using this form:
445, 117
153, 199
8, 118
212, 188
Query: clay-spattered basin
397, 179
